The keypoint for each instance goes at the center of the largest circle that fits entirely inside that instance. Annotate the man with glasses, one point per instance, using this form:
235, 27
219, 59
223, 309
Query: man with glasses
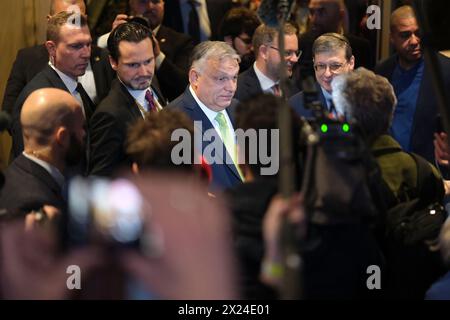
332, 55
237, 29
263, 76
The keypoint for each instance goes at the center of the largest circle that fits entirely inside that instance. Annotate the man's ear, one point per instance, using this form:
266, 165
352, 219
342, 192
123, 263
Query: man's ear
62, 136
263, 51
51, 49
352, 63
113, 63
228, 40
193, 77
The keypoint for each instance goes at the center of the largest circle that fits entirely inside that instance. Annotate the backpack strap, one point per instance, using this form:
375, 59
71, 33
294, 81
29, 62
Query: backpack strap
427, 187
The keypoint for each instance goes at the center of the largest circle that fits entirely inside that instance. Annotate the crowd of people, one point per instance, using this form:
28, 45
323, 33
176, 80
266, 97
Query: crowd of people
181, 99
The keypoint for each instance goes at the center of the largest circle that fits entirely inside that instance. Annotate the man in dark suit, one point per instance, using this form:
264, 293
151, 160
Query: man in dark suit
31, 60
131, 97
264, 75
208, 101
210, 13
414, 122
69, 48
53, 128
172, 48
332, 56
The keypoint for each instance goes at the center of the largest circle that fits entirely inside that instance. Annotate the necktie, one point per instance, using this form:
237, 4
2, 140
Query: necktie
87, 102
276, 90
151, 101
228, 139
193, 22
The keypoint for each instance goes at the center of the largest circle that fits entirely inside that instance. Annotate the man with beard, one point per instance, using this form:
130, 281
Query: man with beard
172, 49
414, 121
263, 76
53, 133
131, 55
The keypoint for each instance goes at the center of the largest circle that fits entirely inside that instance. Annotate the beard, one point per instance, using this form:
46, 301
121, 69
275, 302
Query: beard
76, 151
140, 83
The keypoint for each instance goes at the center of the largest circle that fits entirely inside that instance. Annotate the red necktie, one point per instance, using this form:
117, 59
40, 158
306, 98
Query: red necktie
151, 101
276, 90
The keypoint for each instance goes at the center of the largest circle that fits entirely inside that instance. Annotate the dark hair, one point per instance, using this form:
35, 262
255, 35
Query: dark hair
237, 21
261, 112
330, 42
132, 32
149, 142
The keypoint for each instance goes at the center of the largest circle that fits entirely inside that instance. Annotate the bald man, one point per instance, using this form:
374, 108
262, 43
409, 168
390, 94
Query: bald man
414, 121
32, 60
53, 135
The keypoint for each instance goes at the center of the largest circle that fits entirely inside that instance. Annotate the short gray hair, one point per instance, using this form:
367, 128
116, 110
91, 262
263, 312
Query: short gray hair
216, 50
366, 97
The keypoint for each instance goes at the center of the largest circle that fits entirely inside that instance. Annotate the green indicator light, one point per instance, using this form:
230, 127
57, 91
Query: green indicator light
345, 127
324, 128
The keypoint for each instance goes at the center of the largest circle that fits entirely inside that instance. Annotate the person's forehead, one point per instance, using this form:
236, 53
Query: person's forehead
69, 32
335, 55
404, 24
134, 49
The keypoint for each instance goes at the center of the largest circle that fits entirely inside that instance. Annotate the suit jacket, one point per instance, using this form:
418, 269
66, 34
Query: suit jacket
32, 60
28, 186
424, 123
216, 10
248, 86
47, 78
224, 175
298, 104
173, 72
108, 130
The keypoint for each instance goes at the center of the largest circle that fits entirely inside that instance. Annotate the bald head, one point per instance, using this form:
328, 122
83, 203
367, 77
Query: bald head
401, 13
62, 5
44, 111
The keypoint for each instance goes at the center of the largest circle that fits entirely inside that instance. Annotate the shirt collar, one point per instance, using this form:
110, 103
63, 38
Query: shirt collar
211, 114
51, 169
265, 82
69, 82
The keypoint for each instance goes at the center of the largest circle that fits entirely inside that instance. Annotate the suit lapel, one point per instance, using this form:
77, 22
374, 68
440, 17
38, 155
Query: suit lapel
124, 95
54, 78
197, 114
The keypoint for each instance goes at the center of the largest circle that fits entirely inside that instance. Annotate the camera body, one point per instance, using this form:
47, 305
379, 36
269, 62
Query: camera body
103, 211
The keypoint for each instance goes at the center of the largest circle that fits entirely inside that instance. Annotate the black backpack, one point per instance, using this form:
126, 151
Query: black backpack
416, 215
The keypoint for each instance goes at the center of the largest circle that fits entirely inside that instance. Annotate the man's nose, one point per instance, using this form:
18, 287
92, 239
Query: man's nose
86, 51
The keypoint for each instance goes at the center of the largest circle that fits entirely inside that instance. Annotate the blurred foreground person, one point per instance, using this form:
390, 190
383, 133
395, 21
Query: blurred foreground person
184, 251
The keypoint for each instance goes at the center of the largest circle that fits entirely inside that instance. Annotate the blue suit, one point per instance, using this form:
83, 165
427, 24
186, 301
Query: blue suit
298, 104
224, 175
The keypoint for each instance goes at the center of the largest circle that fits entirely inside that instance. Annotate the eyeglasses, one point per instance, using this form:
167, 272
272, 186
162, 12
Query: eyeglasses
289, 53
334, 67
